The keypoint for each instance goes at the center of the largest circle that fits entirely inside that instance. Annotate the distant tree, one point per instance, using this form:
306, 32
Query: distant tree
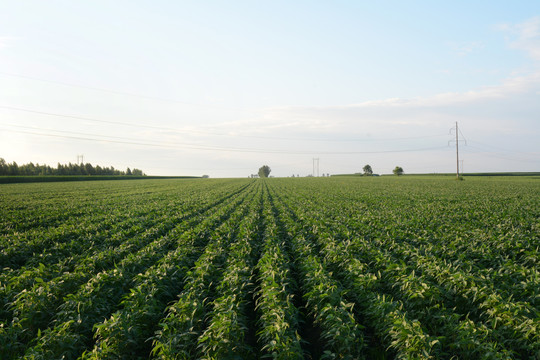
72, 169
29, 169
89, 169
398, 170
368, 171
32, 169
205, 176
264, 171
46, 170
13, 169
3, 167
128, 172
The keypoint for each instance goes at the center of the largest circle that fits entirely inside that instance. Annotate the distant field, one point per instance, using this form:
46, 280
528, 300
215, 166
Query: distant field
486, 174
299, 268
61, 178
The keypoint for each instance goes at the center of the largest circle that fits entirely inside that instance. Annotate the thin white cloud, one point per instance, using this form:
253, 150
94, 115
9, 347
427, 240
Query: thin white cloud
466, 48
6, 41
505, 107
510, 86
494, 107
526, 36
507, 88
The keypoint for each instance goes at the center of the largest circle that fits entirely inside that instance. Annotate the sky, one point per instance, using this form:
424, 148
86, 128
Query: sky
222, 88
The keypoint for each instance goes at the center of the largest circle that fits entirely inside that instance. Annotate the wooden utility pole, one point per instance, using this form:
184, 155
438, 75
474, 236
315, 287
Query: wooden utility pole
456, 129
457, 153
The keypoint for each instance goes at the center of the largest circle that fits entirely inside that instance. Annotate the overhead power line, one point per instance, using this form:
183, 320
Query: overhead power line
84, 118
534, 157
492, 148
224, 149
112, 91
179, 131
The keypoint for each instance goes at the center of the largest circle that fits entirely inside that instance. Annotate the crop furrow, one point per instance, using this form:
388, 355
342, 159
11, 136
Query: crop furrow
186, 318
104, 290
390, 323
277, 314
11, 284
227, 335
128, 331
341, 334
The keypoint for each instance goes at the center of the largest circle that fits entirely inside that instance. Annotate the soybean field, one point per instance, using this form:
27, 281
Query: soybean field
291, 268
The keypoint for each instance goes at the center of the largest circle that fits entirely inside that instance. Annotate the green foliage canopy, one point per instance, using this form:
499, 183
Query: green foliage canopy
368, 171
31, 169
264, 171
398, 170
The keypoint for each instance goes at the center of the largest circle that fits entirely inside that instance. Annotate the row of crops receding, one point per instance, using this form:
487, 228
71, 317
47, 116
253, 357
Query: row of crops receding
316, 268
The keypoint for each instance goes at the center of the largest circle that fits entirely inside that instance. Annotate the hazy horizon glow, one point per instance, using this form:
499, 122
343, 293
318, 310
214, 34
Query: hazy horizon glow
192, 88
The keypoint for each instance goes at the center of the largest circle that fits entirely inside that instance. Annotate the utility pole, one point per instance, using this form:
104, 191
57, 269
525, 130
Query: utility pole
457, 148
81, 158
457, 153
316, 161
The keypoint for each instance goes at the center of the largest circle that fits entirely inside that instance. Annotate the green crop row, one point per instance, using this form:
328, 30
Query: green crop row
426, 286
320, 268
127, 331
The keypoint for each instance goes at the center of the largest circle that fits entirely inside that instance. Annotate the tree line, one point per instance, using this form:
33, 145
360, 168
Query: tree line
31, 169
368, 171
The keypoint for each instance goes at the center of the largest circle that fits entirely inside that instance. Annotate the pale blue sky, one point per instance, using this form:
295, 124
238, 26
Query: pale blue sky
221, 88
